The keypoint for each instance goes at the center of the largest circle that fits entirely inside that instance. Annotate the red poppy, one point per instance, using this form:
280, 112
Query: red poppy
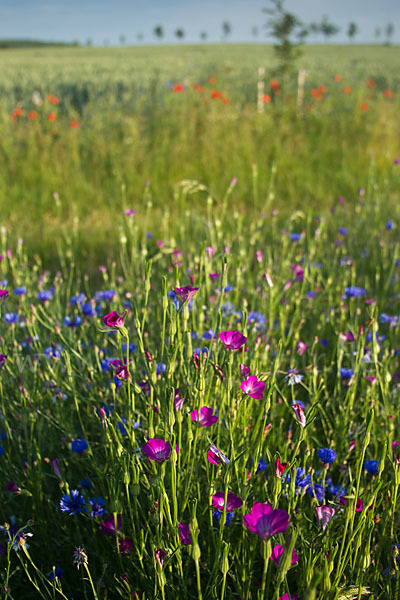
18, 112
52, 117
178, 88
216, 94
388, 93
364, 106
274, 84
53, 99
225, 100
74, 124
347, 89
212, 80
13, 117
370, 82
322, 89
266, 98
338, 78
32, 115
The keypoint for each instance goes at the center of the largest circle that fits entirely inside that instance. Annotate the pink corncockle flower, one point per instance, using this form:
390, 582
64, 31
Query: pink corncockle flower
324, 514
210, 251
3, 358
113, 319
215, 456
129, 212
299, 414
102, 268
160, 555
234, 181
124, 545
121, 370
244, 371
280, 467
4, 294
266, 521
359, 503
232, 340
160, 243
395, 446
268, 280
277, 553
372, 379
185, 293
287, 286
214, 276
184, 534
157, 449
205, 418
298, 272
232, 501
111, 525
56, 467
11, 486
178, 402
259, 256
301, 348
352, 445
253, 387
290, 596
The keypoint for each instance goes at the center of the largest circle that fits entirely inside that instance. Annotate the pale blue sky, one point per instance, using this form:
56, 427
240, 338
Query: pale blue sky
103, 20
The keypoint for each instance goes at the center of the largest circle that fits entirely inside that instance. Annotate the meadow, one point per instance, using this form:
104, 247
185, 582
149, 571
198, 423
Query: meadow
199, 343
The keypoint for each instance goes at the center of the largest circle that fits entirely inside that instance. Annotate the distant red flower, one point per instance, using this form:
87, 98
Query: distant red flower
18, 112
178, 87
212, 80
53, 99
274, 84
364, 106
74, 124
216, 94
370, 82
337, 78
347, 89
322, 89
225, 100
388, 93
266, 98
32, 115
52, 117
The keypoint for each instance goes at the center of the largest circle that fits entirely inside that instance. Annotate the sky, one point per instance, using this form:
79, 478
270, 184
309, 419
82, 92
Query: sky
105, 21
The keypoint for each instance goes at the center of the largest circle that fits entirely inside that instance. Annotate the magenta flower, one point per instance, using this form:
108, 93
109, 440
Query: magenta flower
121, 370
158, 450
185, 293
233, 340
108, 526
215, 456
286, 596
130, 212
299, 414
3, 294
266, 521
253, 387
160, 555
11, 486
184, 534
324, 514
232, 501
113, 319
3, 358
55, 466
206, 418
124, 545
277, 552
359, 503
178, 402
280, 468
244, 371
301, 348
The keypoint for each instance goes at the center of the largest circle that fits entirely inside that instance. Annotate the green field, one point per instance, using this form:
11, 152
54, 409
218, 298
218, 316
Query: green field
133, 127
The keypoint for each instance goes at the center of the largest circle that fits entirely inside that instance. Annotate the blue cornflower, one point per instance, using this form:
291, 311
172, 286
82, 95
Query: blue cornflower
57, 572
108, 295
342, 230
371, 466
132, 348
149, 235
20, 290
75, 322
79, 445
72, 503
293, 377
78, 299
312, 295
217, 515
384, 318
11, 317
161, 368
53, 351
122, 426
86, 483
378, 338
128, 304
346, 373
353, 291
45, 295
389, 225
88, 310
256, 317
327, 455
97, 505
300, 403
302, 479
295, 237
1, 450
316, 490
105, 365
228, 288
262, 465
